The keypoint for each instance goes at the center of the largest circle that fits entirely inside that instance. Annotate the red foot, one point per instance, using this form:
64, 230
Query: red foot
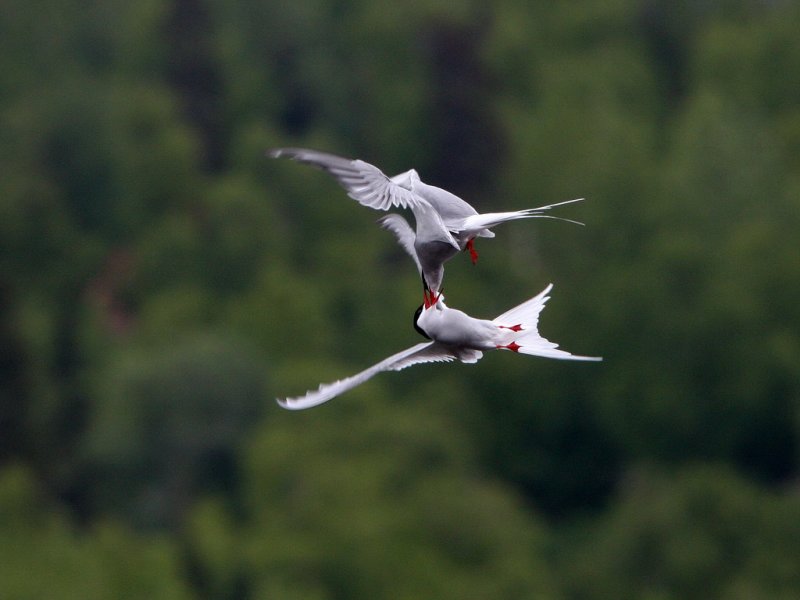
472, 253
513, 346
512, 328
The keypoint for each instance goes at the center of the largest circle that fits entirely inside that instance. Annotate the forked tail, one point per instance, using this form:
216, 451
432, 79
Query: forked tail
520, 324
488, 220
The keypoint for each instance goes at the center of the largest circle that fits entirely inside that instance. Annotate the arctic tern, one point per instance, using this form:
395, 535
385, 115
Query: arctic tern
369, 186
453, 335
430, 246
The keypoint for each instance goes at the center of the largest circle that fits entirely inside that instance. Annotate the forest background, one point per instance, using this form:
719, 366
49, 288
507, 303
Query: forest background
162, 281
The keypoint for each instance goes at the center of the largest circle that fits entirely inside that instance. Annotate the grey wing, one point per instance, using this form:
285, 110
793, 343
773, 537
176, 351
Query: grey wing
447, 204
404, 234
431, 227
421, 353
364, 183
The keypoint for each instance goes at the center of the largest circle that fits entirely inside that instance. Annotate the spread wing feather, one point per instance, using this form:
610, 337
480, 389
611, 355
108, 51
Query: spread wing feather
364, 183
404, 234
424, 352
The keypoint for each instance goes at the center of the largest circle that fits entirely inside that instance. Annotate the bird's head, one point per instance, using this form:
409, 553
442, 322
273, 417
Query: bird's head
417, 315
433, 303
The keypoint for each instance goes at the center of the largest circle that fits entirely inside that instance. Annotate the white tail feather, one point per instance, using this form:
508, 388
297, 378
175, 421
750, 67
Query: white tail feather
528, 340
526, 313
488, 220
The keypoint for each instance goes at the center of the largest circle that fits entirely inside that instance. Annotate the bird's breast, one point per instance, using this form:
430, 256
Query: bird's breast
455, 328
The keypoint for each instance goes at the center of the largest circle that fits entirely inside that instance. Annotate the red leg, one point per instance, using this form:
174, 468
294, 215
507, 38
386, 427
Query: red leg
472, 252
513, 346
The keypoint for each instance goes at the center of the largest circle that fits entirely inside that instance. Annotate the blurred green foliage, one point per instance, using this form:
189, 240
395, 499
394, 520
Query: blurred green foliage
161, 281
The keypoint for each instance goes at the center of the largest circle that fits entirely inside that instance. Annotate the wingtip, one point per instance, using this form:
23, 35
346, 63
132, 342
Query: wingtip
588, 358
284, 403
274, 152
388, 221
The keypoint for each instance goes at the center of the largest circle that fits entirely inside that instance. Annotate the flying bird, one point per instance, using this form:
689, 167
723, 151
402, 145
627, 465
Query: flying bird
369, 186
453, 335
430, 246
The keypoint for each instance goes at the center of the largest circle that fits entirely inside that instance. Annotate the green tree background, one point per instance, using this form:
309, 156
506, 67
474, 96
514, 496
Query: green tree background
161, 281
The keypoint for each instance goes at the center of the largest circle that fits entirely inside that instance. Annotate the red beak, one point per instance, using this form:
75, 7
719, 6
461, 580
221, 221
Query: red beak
429, 298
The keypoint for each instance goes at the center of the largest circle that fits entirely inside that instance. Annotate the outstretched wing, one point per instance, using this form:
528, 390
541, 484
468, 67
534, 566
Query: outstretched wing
421, 353
364, 182
404, 234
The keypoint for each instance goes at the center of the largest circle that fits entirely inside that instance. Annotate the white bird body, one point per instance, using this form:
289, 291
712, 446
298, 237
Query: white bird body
456, 328
454, 336
445, 224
